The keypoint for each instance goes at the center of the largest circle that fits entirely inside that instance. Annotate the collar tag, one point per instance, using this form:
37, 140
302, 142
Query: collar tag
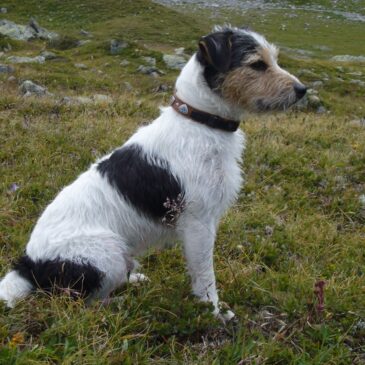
183, 109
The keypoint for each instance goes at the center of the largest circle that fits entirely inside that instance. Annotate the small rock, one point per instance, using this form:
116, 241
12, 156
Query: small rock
116, 46
358, 122
3, 10
312, 92
12, 79
269, 230
83, 100
29, 88
40, 32
19, 59
360, 325
321, 110
322, 48
283, 27
358, 82
348, 58
66, 100
101, 98
173, 61
355, 73
85, 33
124, 63
148, 70
150, 61
161, 88
179, 51
302, 52
6, 69
16, 31
314, 100
323, 184
48, 55
82, 42
317, 84
2, 54
81, 66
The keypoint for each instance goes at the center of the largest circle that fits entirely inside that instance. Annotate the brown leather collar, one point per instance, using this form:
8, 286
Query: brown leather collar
211, 120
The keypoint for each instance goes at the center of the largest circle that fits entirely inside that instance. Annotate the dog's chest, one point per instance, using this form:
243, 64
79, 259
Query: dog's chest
222, 175
212, 180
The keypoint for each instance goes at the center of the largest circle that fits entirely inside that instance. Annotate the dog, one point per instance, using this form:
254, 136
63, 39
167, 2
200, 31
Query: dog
172, 180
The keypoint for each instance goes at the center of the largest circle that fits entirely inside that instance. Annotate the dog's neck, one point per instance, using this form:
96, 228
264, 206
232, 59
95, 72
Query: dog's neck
210, 120
192, 88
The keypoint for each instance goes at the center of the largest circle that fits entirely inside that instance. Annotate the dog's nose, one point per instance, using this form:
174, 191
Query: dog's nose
300, 90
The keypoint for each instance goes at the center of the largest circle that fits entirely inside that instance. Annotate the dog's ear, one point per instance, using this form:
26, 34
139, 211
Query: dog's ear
216, 50
247, 28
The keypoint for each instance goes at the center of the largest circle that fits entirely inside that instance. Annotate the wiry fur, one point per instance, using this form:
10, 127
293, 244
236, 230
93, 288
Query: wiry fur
101, 222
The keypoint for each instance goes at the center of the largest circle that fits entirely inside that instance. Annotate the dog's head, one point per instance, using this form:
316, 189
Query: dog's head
241, 66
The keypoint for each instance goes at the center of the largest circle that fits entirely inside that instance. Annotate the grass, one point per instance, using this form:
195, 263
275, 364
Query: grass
298, 218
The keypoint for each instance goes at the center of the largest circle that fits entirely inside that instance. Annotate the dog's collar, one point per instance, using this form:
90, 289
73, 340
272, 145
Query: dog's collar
210, 120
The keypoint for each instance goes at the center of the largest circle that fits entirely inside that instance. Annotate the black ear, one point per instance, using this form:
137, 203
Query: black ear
215, 50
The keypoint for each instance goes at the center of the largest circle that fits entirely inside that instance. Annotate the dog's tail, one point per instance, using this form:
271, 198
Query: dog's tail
77, 278
14, 287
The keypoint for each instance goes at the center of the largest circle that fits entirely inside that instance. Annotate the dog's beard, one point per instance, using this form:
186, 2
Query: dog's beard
281, 103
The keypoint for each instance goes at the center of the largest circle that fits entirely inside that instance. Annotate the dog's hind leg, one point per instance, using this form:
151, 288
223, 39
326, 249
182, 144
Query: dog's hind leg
109, 254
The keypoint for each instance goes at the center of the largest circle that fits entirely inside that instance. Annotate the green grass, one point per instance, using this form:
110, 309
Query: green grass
304, 174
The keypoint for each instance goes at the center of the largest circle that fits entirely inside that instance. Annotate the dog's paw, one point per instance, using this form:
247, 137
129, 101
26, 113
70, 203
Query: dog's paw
137, 278
226, 316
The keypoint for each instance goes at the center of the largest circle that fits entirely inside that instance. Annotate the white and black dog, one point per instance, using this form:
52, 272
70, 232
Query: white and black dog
173, 179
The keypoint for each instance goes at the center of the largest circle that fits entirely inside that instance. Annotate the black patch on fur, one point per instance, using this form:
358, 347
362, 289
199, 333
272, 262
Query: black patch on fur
242, 45
78, 280
146, 183
260, 66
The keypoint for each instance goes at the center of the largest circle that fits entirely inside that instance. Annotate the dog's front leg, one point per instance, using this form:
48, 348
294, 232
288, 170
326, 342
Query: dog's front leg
198, 245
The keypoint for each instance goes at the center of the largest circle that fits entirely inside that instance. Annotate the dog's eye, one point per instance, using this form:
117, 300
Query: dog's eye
259, 66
